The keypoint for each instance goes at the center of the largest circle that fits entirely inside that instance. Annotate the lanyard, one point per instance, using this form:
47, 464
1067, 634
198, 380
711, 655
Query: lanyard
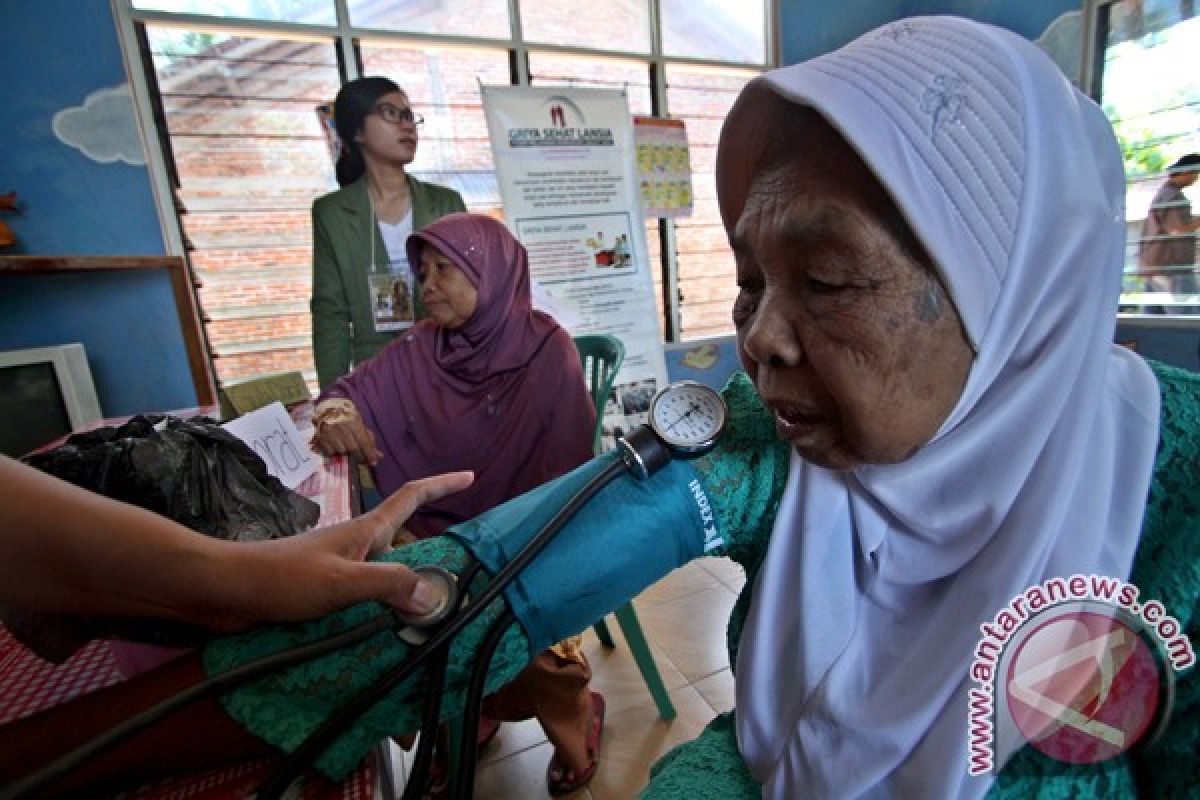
374, 229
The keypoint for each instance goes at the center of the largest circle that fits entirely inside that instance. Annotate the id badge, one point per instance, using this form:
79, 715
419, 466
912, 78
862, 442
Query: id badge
392, 305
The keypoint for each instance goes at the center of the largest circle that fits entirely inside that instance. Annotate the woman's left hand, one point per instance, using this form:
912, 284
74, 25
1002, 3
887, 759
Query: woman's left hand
341, 430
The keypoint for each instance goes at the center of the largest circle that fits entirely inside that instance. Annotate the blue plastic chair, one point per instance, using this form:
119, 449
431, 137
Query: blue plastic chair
601, 356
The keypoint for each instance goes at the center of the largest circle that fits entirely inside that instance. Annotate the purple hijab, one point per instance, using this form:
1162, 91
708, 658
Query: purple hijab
503, 395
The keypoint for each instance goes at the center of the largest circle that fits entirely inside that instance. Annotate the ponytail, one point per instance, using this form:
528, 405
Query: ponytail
350, 166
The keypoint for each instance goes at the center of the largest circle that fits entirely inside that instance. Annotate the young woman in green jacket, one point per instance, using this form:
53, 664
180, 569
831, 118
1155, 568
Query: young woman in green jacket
359, 264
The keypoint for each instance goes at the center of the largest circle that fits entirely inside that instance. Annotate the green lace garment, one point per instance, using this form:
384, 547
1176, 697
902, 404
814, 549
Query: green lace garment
1166, 567
743, 479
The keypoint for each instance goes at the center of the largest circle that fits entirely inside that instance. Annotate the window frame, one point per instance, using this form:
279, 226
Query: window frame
1094, 32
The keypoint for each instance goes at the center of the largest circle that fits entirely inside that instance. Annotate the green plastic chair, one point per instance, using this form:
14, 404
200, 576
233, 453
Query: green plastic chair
601, 356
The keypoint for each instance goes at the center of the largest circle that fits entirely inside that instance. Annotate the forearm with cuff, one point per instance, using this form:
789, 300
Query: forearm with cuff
628, 536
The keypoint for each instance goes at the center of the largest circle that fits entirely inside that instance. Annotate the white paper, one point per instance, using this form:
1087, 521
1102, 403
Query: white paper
271, 434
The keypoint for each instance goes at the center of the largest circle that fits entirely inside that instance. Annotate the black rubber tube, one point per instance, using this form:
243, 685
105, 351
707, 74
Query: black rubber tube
419, 775
319, 740
462, 785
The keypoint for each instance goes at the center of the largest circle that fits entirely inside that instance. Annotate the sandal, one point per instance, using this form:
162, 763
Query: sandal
559, 779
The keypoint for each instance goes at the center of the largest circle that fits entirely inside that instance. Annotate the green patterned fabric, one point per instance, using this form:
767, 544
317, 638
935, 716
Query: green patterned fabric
1166, 567
283, 708
743, 479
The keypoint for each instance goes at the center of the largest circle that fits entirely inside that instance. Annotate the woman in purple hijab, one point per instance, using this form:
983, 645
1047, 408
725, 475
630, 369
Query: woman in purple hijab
487, 384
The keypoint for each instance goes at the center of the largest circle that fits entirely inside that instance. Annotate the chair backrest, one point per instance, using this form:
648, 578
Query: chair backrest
601, 356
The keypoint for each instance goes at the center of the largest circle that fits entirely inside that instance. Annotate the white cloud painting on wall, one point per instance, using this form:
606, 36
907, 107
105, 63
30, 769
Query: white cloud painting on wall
104, 128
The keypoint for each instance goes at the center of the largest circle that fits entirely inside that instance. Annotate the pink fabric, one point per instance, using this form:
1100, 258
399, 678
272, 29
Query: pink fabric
503, 395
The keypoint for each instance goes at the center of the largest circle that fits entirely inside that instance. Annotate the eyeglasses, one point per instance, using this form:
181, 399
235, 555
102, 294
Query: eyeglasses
396, 115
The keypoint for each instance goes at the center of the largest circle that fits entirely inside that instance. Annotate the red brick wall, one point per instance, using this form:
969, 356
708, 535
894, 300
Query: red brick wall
251, 157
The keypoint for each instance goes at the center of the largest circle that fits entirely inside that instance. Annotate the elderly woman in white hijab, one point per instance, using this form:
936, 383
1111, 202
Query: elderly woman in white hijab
929, 233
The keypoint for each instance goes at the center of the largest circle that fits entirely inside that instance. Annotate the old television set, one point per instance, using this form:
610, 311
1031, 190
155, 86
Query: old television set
45, 393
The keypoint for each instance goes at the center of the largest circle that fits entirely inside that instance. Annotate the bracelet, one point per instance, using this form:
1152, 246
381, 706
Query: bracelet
333, 412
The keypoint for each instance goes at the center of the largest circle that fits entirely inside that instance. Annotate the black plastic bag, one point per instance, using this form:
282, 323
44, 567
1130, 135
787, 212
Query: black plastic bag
190, 470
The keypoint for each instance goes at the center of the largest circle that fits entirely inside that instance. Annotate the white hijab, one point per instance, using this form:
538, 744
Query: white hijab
853, 666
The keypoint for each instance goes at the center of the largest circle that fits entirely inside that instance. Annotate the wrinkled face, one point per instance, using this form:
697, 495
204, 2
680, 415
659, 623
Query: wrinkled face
392, 142
841, 321
446, 292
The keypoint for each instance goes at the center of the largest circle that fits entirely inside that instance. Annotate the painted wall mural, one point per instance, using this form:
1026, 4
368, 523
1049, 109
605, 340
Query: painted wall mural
103, 128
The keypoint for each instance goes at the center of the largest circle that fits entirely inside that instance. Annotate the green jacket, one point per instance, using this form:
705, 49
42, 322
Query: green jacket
343, 327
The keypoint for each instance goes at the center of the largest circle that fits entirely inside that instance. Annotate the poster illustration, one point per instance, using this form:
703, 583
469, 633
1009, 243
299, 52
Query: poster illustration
664, 167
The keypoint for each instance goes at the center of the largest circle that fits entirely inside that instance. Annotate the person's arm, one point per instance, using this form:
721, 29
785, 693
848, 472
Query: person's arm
1174, 218
64, 549
1191, 226
1179, 223
344, 419
743, 478
332, 346
339, 428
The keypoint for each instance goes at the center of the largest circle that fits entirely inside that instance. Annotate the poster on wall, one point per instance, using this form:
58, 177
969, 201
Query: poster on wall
565, 163
664, 167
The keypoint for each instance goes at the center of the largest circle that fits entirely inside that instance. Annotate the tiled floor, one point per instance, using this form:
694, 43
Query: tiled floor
684, 617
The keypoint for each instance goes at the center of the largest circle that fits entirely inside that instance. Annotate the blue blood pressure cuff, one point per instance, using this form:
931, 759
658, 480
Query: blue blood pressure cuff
629, 535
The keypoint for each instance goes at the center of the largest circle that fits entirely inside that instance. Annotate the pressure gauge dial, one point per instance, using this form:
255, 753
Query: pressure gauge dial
688, 417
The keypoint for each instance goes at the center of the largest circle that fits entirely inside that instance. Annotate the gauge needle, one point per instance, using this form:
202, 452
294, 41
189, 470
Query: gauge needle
691, 410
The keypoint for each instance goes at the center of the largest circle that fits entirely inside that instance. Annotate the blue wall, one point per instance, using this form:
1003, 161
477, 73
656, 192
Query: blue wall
127, 323
810, 28
710, 361
1168, 342
54, 54
63, 50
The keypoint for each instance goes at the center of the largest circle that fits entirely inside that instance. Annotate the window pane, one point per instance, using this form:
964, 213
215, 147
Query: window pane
443, 84
462, 17
701, 97
1133, 20
621, 25
722, 30
251, 157
314, 12
552, 69
1154, 107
